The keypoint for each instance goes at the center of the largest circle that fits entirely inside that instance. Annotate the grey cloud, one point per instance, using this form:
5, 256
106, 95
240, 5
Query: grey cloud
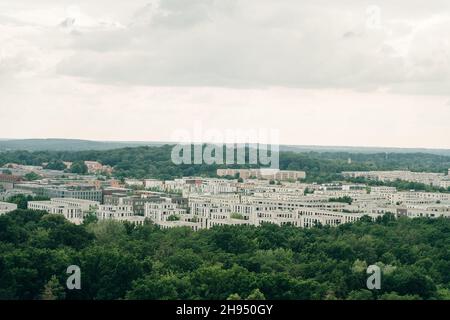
300, 46
13, 65
249, 43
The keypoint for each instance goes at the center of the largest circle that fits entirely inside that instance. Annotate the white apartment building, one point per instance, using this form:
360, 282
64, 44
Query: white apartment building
413, 197
268, 174
221, 199
168, 215
117, 212
181, 223
444, 184
162, 211
216, 187
134, 182
215, 202
213, 210
269, 204
177, 185
306, 218
120, 212
421, 212
383, 189
226, 222
137, 220
6, 207
5, 195
284, 175
429, 178
275, 217
153, 183
73, 213
439, 208
85, 205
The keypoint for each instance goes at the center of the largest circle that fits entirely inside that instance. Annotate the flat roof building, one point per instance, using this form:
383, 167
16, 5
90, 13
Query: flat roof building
6, 207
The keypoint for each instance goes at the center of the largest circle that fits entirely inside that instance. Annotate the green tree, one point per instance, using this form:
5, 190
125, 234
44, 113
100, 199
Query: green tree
173, 217
53, 290
161, 287
90, 218
31, 176
362, 294
344, 199
22, 200
256, 295
236, 215
409, 281
79, 167
234, 296
396, 296
124, 261
56, 165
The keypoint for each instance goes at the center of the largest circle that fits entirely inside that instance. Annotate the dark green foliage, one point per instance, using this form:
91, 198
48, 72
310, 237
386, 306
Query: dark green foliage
344, 199
79, 167
35, 246
32, 176
399, 184
173, 217
90, 218
56, 165
22, 200
122, 261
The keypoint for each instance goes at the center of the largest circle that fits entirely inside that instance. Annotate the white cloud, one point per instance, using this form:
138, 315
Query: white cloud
249, 43
262, 43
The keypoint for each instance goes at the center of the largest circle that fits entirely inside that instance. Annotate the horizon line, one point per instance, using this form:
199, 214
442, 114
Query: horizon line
196, 142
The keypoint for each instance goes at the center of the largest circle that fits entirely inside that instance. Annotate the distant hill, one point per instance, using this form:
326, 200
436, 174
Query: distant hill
366, 150
67, 145
83, 145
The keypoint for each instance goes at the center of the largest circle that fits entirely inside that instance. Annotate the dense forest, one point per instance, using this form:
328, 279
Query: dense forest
122, 261
155, 162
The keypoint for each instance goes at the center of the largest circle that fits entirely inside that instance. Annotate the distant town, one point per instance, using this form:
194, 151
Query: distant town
233, 197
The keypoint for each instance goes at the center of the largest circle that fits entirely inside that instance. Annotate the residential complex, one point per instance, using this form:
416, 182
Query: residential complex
235, 197
270, 174
433, 179
73, 210
85, 192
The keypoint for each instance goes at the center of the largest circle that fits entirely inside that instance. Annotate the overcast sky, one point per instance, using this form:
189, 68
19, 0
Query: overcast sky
322, 72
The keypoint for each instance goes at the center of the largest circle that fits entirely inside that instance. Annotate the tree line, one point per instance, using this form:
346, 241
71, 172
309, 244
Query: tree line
123, 261
155, 162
